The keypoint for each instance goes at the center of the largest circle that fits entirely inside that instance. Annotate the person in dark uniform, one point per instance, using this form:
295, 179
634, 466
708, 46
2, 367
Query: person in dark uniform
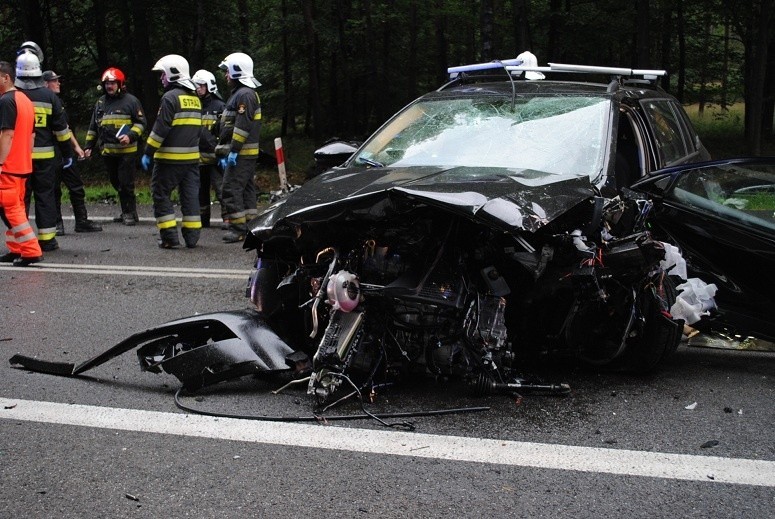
51, 132
238, 145
70, 177
173, 149
210, 173
117, 123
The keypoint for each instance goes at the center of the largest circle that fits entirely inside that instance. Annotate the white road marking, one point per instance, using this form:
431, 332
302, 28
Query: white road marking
129, 270
709, 469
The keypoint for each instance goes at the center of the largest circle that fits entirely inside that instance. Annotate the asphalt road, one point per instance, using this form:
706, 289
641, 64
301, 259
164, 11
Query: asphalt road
693, 440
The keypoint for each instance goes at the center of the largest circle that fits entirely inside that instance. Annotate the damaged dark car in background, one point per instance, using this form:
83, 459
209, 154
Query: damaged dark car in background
502, 219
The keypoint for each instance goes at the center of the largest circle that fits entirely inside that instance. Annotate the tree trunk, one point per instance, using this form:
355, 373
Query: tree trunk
140, 48
667, 38
487, 31
196, 59
33, 23
315, 103
681, 26
440, 26
287, 118
643, 36
521, 26
760, 42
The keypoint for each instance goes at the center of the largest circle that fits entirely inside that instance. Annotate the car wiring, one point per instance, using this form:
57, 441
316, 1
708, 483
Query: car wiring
322, 418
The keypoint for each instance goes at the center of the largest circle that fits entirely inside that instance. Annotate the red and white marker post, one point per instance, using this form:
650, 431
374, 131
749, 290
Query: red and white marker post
280, 156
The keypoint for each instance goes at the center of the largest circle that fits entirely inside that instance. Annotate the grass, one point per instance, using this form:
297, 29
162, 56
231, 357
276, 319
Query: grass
298, 152
723, 131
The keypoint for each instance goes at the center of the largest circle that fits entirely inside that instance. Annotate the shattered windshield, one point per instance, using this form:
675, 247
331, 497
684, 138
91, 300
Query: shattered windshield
562, 135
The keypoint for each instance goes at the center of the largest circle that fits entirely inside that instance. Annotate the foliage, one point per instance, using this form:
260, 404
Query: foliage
342, 67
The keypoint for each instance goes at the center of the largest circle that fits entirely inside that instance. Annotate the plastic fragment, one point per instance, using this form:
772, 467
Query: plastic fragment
691, 406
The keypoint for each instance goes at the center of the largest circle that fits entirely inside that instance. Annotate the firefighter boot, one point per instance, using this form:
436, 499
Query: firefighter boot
168, 238
191, 237
236, 233
82, 222
48, 245
87, 226
60, 228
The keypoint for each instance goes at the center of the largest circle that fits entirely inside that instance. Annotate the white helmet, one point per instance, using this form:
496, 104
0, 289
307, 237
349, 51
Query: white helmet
175, 67
205, 77
239, 66
30, 46
28, 65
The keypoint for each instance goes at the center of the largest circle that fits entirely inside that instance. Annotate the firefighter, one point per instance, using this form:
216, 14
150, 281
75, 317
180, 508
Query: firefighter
173, 149
17, 124
51, 131
238, 145
117, 123
209, 172
69, 175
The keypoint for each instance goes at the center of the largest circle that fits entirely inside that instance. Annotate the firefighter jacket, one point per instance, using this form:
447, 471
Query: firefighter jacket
51, 130
174, 138
212, 108
240, 124
111, 113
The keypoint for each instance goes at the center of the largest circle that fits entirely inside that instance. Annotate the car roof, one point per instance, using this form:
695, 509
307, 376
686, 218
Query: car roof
491, 86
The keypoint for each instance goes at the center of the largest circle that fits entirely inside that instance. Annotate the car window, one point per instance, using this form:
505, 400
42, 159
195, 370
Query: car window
560, 135
743, 194
668, 132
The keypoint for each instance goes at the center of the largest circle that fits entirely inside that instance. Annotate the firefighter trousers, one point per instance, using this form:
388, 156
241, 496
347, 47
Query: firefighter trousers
20, 236
121, 173
42, 185
165, 178
72, 180
209, 175
239, 192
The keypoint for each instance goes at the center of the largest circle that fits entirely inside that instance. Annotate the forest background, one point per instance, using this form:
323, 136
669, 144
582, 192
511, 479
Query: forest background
342, 67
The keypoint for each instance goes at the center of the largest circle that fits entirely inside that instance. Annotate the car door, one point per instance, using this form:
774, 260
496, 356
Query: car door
722, 216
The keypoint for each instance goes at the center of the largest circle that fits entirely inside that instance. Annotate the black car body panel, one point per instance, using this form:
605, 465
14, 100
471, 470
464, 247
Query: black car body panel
702, 208
512, 200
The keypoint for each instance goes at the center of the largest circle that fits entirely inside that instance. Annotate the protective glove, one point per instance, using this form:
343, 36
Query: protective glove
231, 160
68, 163
145, 162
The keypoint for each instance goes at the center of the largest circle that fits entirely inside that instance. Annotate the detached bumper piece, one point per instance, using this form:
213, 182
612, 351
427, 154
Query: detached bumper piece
199, 350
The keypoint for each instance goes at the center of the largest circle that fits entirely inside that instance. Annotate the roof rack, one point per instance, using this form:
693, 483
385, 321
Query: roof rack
515, 67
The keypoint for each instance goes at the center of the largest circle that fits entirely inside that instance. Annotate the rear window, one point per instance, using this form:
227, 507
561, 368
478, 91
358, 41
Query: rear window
668, 130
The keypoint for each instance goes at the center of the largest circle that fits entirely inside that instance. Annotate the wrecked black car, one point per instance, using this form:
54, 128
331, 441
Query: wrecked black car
493, 222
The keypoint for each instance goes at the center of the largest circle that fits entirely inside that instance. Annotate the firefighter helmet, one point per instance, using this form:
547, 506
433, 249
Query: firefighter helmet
113, 74
205, 77
28, 66
239, 66
30, 46
175, 67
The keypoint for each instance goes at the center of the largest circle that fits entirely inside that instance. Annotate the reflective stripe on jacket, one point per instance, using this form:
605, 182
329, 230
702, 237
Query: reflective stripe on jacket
109, 115
175, 134
241, 123
51, 127
212, 108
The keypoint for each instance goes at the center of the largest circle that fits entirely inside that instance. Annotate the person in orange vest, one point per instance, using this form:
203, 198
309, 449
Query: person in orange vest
17, 133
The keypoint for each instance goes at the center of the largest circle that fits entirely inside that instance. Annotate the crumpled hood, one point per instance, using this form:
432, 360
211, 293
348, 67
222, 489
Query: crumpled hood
509, 199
